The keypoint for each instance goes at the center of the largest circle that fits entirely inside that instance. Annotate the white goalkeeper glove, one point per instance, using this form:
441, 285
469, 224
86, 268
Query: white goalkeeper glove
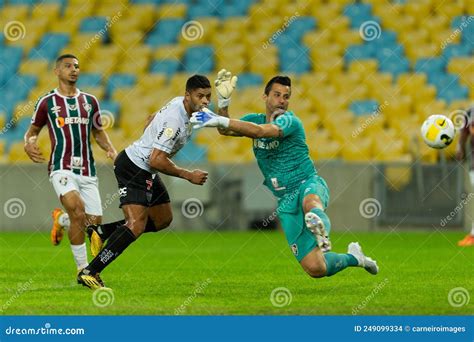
206, 118
225, 85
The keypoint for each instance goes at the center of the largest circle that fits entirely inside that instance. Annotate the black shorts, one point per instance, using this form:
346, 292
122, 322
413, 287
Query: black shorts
137, 186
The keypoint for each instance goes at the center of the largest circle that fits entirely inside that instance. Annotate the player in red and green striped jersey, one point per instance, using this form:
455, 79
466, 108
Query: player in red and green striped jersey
72, 117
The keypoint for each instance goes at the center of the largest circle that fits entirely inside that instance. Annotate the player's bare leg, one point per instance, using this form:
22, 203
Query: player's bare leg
135, 221
159, 217
74, 206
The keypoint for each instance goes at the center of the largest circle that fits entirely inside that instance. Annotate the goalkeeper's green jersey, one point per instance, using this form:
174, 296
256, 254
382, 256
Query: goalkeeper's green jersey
284, 161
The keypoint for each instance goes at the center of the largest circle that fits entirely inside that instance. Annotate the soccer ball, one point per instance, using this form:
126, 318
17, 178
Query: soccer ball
438, 131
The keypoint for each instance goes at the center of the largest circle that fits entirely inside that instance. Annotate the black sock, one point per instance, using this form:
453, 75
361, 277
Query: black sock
150, 226
105, 230
120, 239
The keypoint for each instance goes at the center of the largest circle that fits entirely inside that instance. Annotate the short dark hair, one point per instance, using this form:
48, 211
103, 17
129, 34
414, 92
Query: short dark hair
197, 81
283, 80
67, 55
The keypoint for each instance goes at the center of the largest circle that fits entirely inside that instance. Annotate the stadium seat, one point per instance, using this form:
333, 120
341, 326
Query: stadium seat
120, 81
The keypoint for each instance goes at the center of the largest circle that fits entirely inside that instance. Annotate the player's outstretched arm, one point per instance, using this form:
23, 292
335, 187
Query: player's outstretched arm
104, 142
31, 148
206, 118
159, 160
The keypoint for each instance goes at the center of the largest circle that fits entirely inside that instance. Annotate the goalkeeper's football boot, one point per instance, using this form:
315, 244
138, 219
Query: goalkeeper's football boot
316, 226
95, 239
57, 231
93, 282
467, 241
367, 263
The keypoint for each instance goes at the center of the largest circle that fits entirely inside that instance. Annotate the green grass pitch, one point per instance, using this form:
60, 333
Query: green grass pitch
222, 273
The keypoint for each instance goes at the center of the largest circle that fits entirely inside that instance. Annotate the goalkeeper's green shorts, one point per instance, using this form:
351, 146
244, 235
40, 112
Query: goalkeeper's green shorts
291, 215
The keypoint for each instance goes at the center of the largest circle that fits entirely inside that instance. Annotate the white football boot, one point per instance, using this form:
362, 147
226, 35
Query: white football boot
364, 261
316, 226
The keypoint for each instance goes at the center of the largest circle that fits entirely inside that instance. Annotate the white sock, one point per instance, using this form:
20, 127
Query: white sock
472, 229
79, 253
63, 220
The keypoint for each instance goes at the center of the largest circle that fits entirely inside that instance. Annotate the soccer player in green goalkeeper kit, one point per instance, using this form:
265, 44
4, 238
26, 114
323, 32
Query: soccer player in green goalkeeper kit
279, 145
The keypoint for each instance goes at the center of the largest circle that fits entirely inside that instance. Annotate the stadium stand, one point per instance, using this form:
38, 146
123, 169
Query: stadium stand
365, 74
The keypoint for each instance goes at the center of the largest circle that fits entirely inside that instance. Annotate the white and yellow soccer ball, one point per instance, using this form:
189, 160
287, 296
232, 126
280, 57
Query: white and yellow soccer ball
438, 131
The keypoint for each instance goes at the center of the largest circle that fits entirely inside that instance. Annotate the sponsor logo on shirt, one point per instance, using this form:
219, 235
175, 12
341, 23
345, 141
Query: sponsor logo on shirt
257, 143
61, 122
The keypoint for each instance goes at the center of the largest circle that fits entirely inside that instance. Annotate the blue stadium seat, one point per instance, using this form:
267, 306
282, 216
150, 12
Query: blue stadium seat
294, 61
300, 26
93, 24
153, 2
21, 2
89, 80
395, 51
249, 79
364, 107
165, 32
359, 9
359, 20
395, 66
120, 81
199, 59
49, 46
165, 66
387, 38
443, 80
11, 57
430, 65
228, 10
200, 11
457, 50
357, 52
453, 93
112, 107
459, 22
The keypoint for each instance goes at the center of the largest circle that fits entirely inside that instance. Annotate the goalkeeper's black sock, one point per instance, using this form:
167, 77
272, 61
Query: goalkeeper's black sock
120, 239
105, 230
150, 226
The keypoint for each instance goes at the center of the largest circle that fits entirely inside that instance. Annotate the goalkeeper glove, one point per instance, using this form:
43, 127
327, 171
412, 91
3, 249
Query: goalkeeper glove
225, 85
206, 118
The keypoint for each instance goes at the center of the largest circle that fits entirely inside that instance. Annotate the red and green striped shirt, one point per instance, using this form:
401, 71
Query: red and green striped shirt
69, 120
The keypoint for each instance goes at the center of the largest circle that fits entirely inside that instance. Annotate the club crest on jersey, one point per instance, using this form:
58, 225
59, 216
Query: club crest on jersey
87, 107
55, 110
